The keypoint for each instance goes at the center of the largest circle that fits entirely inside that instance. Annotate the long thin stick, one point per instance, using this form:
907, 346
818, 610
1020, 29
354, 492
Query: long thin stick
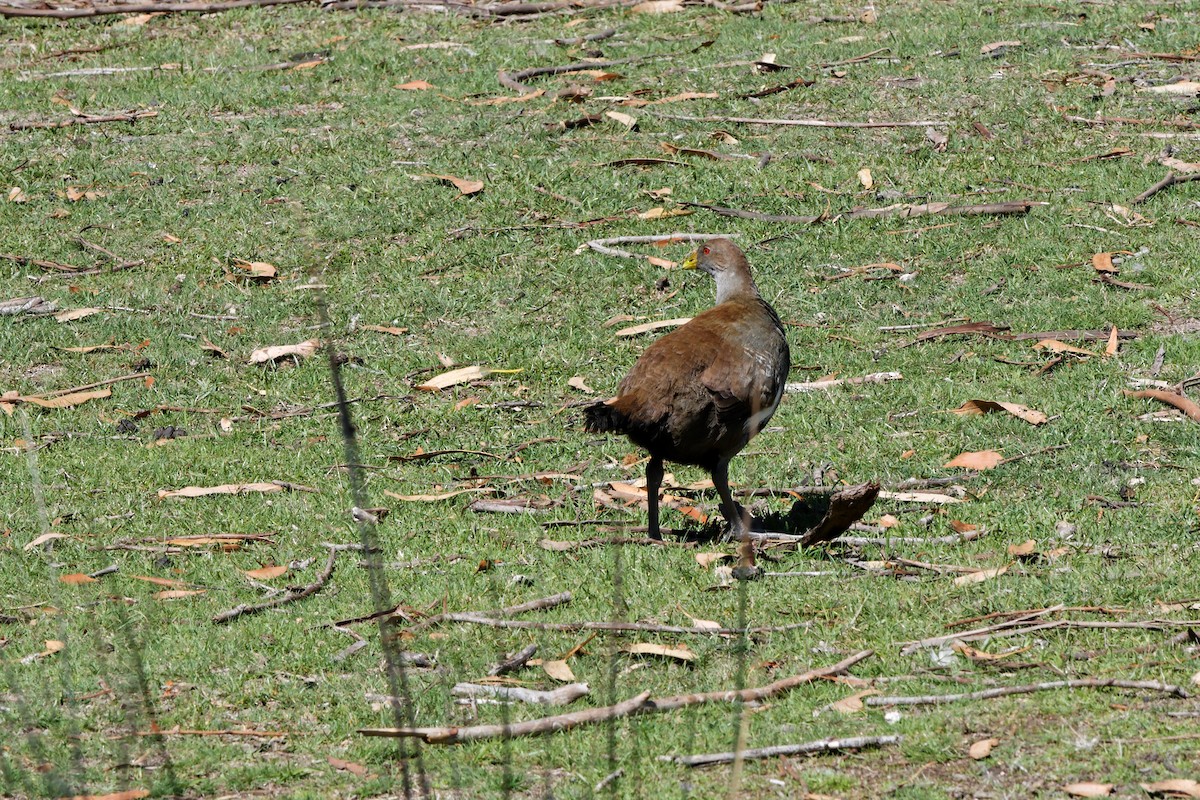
641, 704
291, 596
138, 8
820, 746
613, 627
603, 245
1005, 691
86, 386
88, 119
806, 123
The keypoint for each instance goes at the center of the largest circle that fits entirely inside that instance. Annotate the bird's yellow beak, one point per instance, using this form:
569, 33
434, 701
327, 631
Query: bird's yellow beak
690, 261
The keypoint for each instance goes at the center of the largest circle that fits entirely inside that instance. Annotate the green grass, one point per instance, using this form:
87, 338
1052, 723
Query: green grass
319, 171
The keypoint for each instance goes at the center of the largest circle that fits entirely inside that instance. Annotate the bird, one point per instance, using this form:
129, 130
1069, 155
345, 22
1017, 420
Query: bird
697, 395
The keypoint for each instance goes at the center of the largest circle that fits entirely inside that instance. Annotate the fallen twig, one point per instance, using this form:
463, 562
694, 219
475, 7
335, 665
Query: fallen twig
903, 210
641, 704
845, 508
468, 616
1026, 612
820, 746
603, 245
887, 541
1173, 123
562, 696
138, 8
515, 662
83, 119
534, 727
812, 386
39, 262
1184, 404
1170, 180
513, 80
806, 123
1005, 691
293, 594
612, 627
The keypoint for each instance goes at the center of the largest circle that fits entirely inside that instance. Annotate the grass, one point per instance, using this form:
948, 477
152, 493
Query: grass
320, 170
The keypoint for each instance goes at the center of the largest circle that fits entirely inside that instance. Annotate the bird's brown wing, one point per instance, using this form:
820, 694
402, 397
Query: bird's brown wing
746, 376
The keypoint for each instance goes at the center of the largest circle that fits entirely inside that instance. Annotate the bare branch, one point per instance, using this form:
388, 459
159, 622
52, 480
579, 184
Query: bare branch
1005, 691
820, 746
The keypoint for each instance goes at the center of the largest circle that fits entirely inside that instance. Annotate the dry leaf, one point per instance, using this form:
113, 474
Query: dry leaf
1056, 346
864, 177
45, 537
129, 794
464, 185
54, 645
658, 7
663, 213
454, 378
665, 263
993, 47
159, 581
627, 120
559, 670
265, 355
853, 703
681, 652
1089, 789
75, 194
92, 348
266, 573
706, 560
499, 101
980, 576
980, 459
1102, 262
257, 269
1114, 342
17, 195
432, 498
76, 578
227, 488
1174, 787
415, 86
1179, 165
75, 313
887, 521
63, 400
1184, 88
1023, 549
976, 407
348, 766
677, 97
394, 331
982, 749
176, 594
646, 327
579, 383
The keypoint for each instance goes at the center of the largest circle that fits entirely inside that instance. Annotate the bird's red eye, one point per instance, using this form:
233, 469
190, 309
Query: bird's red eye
707, 251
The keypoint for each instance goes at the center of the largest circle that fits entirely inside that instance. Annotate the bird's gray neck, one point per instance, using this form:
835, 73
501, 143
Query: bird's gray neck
733, 284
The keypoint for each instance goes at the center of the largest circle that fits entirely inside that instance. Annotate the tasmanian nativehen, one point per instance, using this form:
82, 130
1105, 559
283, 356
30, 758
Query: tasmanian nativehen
700, 393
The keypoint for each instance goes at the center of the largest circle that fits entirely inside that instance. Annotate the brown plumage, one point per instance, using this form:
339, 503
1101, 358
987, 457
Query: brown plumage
700, 393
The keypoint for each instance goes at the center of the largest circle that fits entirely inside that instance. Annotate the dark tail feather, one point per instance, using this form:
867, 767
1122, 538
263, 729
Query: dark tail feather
603, 418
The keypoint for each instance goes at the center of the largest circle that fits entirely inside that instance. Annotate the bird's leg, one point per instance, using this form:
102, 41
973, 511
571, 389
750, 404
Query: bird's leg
737, 517
654, 476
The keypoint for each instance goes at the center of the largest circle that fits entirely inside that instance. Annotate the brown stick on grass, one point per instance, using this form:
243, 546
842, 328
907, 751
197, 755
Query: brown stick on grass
291, 596
821, 746
1005, 691
641, 704
1184, 404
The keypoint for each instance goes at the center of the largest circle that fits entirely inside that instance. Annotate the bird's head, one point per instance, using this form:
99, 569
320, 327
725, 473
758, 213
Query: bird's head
726, 263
